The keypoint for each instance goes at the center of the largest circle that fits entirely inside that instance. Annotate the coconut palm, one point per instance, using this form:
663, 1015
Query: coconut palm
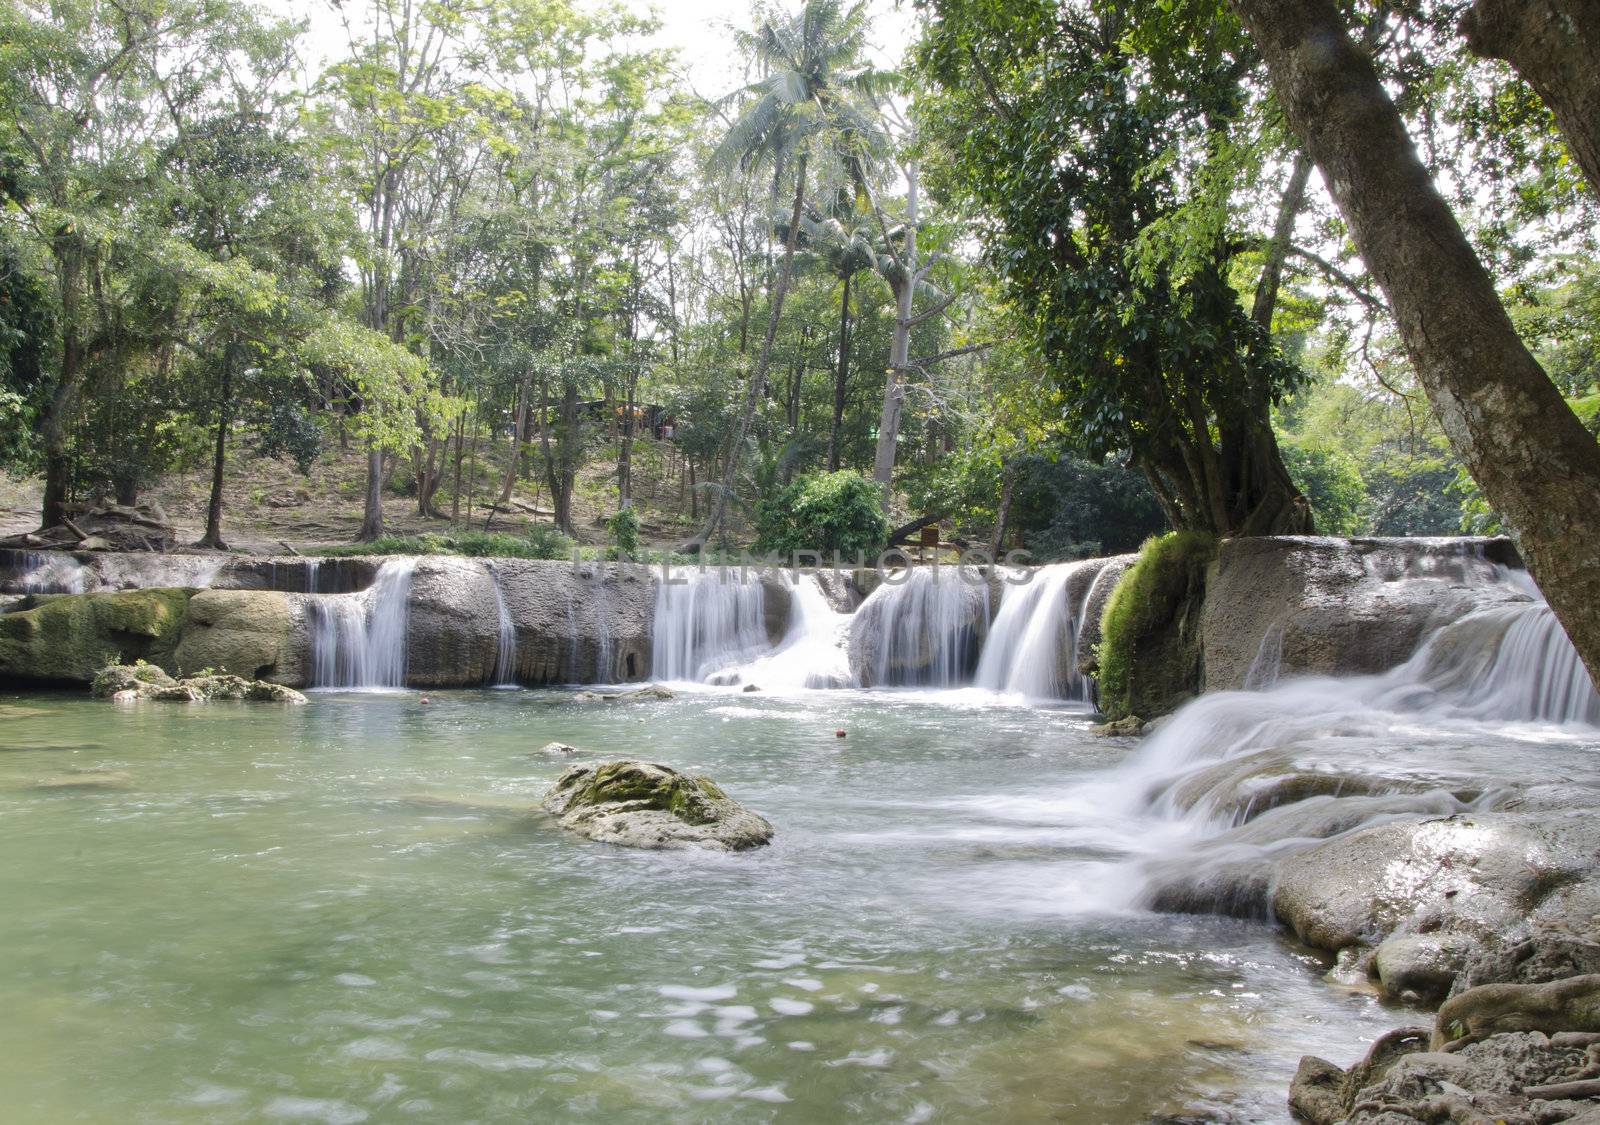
814, 105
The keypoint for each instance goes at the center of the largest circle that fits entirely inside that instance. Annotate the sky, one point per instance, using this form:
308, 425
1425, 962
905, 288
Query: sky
697, 28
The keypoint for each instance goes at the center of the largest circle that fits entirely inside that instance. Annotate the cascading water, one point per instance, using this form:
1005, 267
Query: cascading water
505, 653
358, 641
813, 651
1032, 646
1490, 704
50, 573
924, 628
707, 621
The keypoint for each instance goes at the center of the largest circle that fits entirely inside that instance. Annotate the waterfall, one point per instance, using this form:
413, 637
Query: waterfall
50, 573
924, 628
1032, 647
505, 653
359, 640
706, 621
813, 652
1268, 664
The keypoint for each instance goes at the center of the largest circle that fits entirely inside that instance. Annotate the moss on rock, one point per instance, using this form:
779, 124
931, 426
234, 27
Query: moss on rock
1149, 654
69, 639
645, 805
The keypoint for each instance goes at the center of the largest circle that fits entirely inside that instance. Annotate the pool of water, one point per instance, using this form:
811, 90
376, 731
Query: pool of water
354, 911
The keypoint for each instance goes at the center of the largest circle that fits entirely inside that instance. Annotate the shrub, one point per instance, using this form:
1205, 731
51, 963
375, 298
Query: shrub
1150, 646
824, 512
624, 528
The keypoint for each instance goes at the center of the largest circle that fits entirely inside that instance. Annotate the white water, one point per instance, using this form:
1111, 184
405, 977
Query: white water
706, 622
505, 653
56, 572
1031, 649
813, 653
924, 628
358, 641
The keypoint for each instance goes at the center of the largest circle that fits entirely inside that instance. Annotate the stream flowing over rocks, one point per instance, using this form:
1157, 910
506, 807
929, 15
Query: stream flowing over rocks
1393, 755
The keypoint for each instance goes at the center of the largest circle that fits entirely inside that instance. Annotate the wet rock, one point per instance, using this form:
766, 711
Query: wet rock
114, 679
1420, 967
557, 748
576, 623
645, 805
1487, 875
67, 640
453, 628
1325, 606
1541, 958
176, 693
1127, 727
635, 695
257, 634
127, 683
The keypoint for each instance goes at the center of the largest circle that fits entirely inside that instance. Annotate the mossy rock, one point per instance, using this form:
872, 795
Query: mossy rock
67, 640
645, 805
1149, 655
249, 633
127, 682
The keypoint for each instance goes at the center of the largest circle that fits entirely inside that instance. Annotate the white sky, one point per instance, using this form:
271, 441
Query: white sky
697, 28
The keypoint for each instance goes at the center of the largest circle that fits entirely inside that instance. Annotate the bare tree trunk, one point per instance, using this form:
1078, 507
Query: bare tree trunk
1555, 46
213, 536
905, 291
1505, 419
841, 378
758, 380
519, 437
1008, 487
372, 515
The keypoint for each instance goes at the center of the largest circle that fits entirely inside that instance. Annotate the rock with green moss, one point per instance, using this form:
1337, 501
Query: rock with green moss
126, 683
645, 805
67, 640
250, 633
1150, 653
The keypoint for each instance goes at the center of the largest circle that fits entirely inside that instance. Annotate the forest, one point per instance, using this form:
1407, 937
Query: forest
1066, 276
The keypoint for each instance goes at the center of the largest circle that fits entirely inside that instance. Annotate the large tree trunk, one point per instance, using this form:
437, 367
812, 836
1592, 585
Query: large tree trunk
1555, 46
758, 379
841, 378
1533, 459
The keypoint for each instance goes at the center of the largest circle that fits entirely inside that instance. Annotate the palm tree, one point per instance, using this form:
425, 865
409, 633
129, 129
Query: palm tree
814, 102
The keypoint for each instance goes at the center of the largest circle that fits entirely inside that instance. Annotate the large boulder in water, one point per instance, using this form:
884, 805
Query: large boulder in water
923, 627
257, 634
644, 805
1296, 605
66, 640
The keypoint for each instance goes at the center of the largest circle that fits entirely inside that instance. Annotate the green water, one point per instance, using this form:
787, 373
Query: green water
352, 911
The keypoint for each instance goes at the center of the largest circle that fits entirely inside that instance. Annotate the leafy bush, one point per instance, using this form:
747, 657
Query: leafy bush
1150, 647
624, 528
824, 512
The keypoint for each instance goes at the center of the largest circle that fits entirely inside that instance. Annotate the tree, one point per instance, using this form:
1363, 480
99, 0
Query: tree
806, 104
1555, 45
1533, 459
79, 90
844, 243
1102, 179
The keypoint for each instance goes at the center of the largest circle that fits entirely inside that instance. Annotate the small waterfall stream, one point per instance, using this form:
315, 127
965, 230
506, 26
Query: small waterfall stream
505, 653
1032, 646
707, 621
358, 641
923, 629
